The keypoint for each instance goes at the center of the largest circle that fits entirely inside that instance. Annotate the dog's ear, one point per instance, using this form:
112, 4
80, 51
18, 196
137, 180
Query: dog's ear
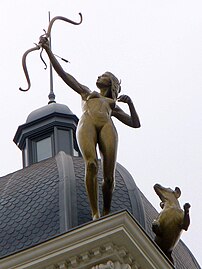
177, 192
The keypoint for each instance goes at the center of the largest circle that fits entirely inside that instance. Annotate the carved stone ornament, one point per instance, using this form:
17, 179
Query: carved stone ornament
112, 265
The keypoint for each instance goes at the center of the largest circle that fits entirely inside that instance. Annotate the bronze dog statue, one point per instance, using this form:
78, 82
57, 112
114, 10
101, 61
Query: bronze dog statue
171, 220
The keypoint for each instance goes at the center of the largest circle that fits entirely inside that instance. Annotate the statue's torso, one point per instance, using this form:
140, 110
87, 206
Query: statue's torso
97, 108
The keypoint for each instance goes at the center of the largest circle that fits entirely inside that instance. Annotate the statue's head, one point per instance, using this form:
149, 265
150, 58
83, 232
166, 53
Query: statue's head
110, 84
115, 85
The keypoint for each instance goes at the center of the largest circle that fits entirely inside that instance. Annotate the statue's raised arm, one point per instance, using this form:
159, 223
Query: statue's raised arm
66, 77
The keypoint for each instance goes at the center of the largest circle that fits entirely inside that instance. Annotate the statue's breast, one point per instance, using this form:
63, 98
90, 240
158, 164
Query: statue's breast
93, 94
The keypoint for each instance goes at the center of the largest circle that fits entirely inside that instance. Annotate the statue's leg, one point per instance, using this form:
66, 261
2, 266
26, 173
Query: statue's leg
108, 141
169, 255
156, 227
87, 139
186, 219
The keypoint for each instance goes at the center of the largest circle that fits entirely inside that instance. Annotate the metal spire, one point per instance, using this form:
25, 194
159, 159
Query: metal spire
51, 95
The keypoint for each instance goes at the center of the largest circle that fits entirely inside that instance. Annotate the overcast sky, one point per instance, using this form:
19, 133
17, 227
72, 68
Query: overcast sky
154, 47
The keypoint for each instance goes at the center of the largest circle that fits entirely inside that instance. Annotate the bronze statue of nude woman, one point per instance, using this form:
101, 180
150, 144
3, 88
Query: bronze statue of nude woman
96, 127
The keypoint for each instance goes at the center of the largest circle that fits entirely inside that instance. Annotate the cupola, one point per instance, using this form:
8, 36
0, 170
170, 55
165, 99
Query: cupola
47, 131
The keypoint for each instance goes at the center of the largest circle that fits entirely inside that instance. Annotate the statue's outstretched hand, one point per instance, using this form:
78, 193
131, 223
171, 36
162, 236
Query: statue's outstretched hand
44, 42
124, 98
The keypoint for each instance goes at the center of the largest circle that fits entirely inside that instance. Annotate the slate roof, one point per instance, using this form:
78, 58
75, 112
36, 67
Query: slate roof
29, 207
48, 198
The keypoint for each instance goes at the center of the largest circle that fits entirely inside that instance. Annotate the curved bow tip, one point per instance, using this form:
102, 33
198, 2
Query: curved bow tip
81, 17
22, 90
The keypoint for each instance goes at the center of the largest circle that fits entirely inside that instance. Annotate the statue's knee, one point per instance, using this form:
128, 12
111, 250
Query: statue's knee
92, 166
109, 183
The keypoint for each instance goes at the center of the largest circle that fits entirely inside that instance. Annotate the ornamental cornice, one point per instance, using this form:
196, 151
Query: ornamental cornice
118, 239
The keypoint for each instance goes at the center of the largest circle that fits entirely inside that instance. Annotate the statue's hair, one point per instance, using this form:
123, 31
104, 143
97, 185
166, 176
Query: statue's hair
115, 85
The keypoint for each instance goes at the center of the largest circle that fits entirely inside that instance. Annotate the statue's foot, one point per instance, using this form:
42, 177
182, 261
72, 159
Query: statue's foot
96, 216
105, 212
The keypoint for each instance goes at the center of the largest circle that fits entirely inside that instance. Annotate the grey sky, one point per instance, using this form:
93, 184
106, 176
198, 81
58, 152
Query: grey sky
154, 47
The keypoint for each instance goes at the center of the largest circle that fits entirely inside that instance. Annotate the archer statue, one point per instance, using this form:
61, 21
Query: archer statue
96, 127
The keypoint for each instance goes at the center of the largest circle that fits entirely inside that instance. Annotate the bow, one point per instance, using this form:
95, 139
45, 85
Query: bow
37, 47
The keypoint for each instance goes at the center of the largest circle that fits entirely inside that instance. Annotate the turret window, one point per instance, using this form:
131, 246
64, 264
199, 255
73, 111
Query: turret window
44, 149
